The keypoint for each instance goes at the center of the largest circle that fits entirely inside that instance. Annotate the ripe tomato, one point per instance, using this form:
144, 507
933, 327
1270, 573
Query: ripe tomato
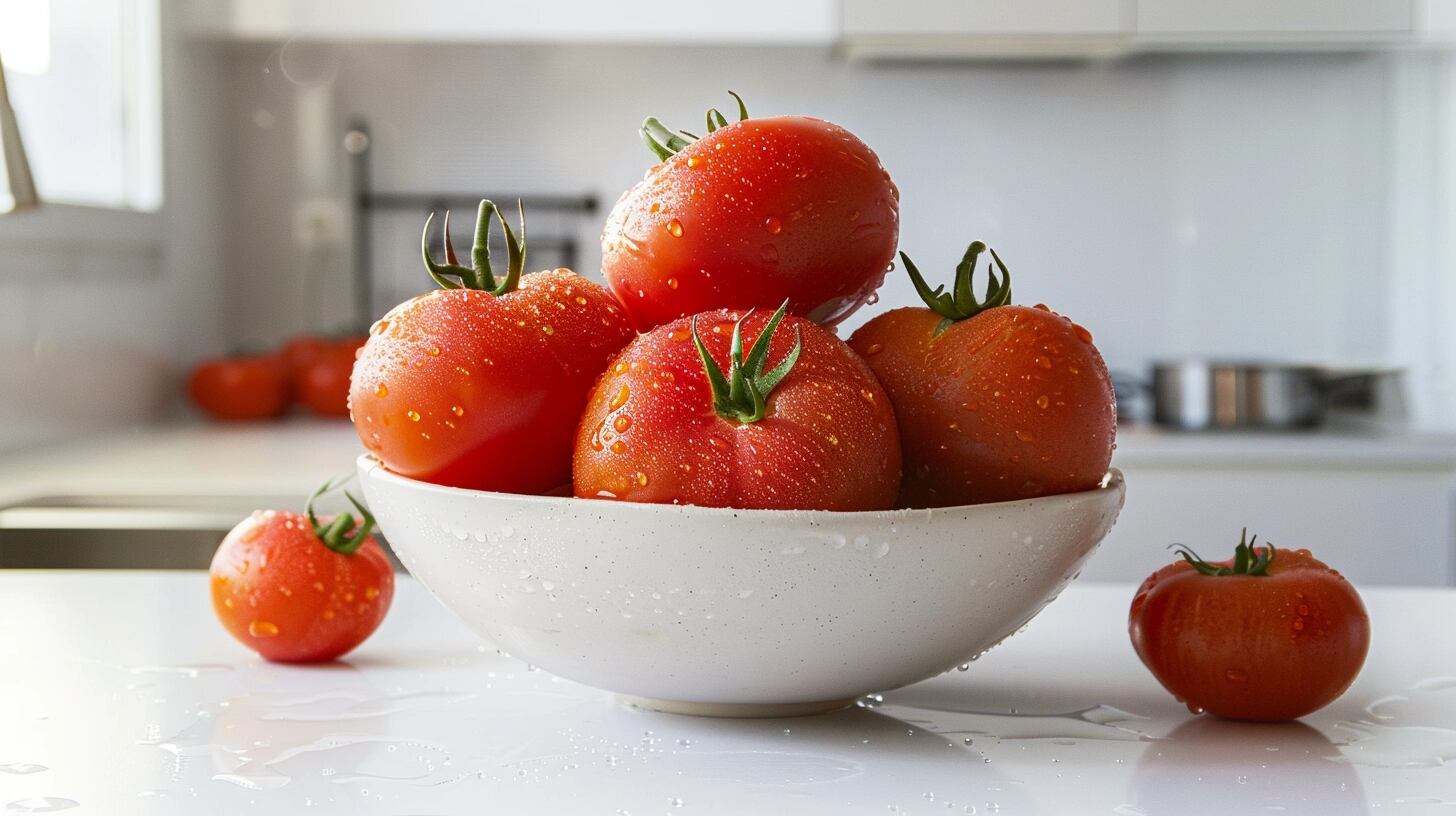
238, 388
995, 402
754, 212
1267, 636
813, 432
322, 383
294, 588
479, 384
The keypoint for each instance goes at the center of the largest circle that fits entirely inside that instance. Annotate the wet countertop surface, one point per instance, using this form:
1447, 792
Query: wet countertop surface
120, 694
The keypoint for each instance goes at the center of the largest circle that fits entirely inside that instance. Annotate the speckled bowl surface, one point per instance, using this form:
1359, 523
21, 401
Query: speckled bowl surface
738, 612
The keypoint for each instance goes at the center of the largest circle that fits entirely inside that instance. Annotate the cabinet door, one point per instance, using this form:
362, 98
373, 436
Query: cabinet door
1272, 17
952, 17
1376, 526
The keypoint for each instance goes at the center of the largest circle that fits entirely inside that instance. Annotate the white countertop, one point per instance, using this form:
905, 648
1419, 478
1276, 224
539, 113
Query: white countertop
123, 695
278, 463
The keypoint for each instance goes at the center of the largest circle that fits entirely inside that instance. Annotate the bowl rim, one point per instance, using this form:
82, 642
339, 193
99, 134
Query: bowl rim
369, 465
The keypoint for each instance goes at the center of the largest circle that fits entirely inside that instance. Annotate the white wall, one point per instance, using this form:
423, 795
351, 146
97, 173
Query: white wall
101, 311
1227, 205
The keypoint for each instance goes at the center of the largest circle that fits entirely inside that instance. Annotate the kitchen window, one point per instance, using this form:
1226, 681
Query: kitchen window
85, 83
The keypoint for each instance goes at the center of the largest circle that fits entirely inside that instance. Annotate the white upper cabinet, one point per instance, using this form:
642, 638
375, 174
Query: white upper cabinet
986, 28
932, 29
541, 21
1295, 22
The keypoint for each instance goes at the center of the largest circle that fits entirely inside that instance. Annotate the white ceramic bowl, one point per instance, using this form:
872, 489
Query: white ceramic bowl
738, 612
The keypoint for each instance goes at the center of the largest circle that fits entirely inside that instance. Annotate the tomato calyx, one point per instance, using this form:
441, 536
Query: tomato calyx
478, 275
742, 396
1248, 558
336, 535
664, 143
960, 303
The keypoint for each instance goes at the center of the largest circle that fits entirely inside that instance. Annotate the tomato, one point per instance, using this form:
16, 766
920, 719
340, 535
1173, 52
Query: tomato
996, 402
322, 383
814, 431
754, 212
481, 384
239, 388
294, 588
300, 350
1271, 635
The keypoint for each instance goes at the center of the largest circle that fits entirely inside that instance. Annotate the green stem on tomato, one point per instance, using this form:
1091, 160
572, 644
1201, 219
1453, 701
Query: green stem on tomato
339, 534
742, 395
478, 275
961, 303
1248, 559
663, 142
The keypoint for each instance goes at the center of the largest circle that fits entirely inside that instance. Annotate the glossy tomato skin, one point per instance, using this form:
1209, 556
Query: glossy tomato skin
1012, 403
321, 383
1244, 647
463, 388
753, 213
284, 594
240, 388
650, 434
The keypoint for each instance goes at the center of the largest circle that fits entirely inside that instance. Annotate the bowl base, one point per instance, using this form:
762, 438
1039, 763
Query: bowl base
735, 710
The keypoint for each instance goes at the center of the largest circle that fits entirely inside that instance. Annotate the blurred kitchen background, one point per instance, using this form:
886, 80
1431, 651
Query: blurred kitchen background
1269, 184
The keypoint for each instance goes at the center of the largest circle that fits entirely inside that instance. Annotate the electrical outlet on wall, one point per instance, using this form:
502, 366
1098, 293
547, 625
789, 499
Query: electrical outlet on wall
319, 223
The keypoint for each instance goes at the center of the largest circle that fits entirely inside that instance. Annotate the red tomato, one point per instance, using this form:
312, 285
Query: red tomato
294, 588
754, 212
995, 402
483, 387
322, 383
236, 388
1270, 635
300, 350
813, 432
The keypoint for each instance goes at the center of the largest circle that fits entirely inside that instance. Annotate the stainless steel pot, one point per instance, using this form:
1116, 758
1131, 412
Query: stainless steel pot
1200, 395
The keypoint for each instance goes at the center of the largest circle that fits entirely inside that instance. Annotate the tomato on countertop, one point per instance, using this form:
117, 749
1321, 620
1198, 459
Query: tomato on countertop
321, 378
798, 422
995, 402
1269, 635
240, 388
296, 588
755, 211
480, 384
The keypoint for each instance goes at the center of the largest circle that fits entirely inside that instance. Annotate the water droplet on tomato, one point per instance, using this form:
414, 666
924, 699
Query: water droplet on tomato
262, 629
1303, 610
679, 334
655, 208
719, 146
1025, 436
580, 301
1042, 402
619, 368
854, 216
1041, 306
1235, 676
833, 440
773, 225
548, 330
382, 391
414, 416
243, 567
696, 161
1043, 361
641, 479
620, 399
434, 351
1298, 625
622, 423
1194, 709
768, 253
1082, 333
457, 410
675, 228
875, 348
672, 283
617, 447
